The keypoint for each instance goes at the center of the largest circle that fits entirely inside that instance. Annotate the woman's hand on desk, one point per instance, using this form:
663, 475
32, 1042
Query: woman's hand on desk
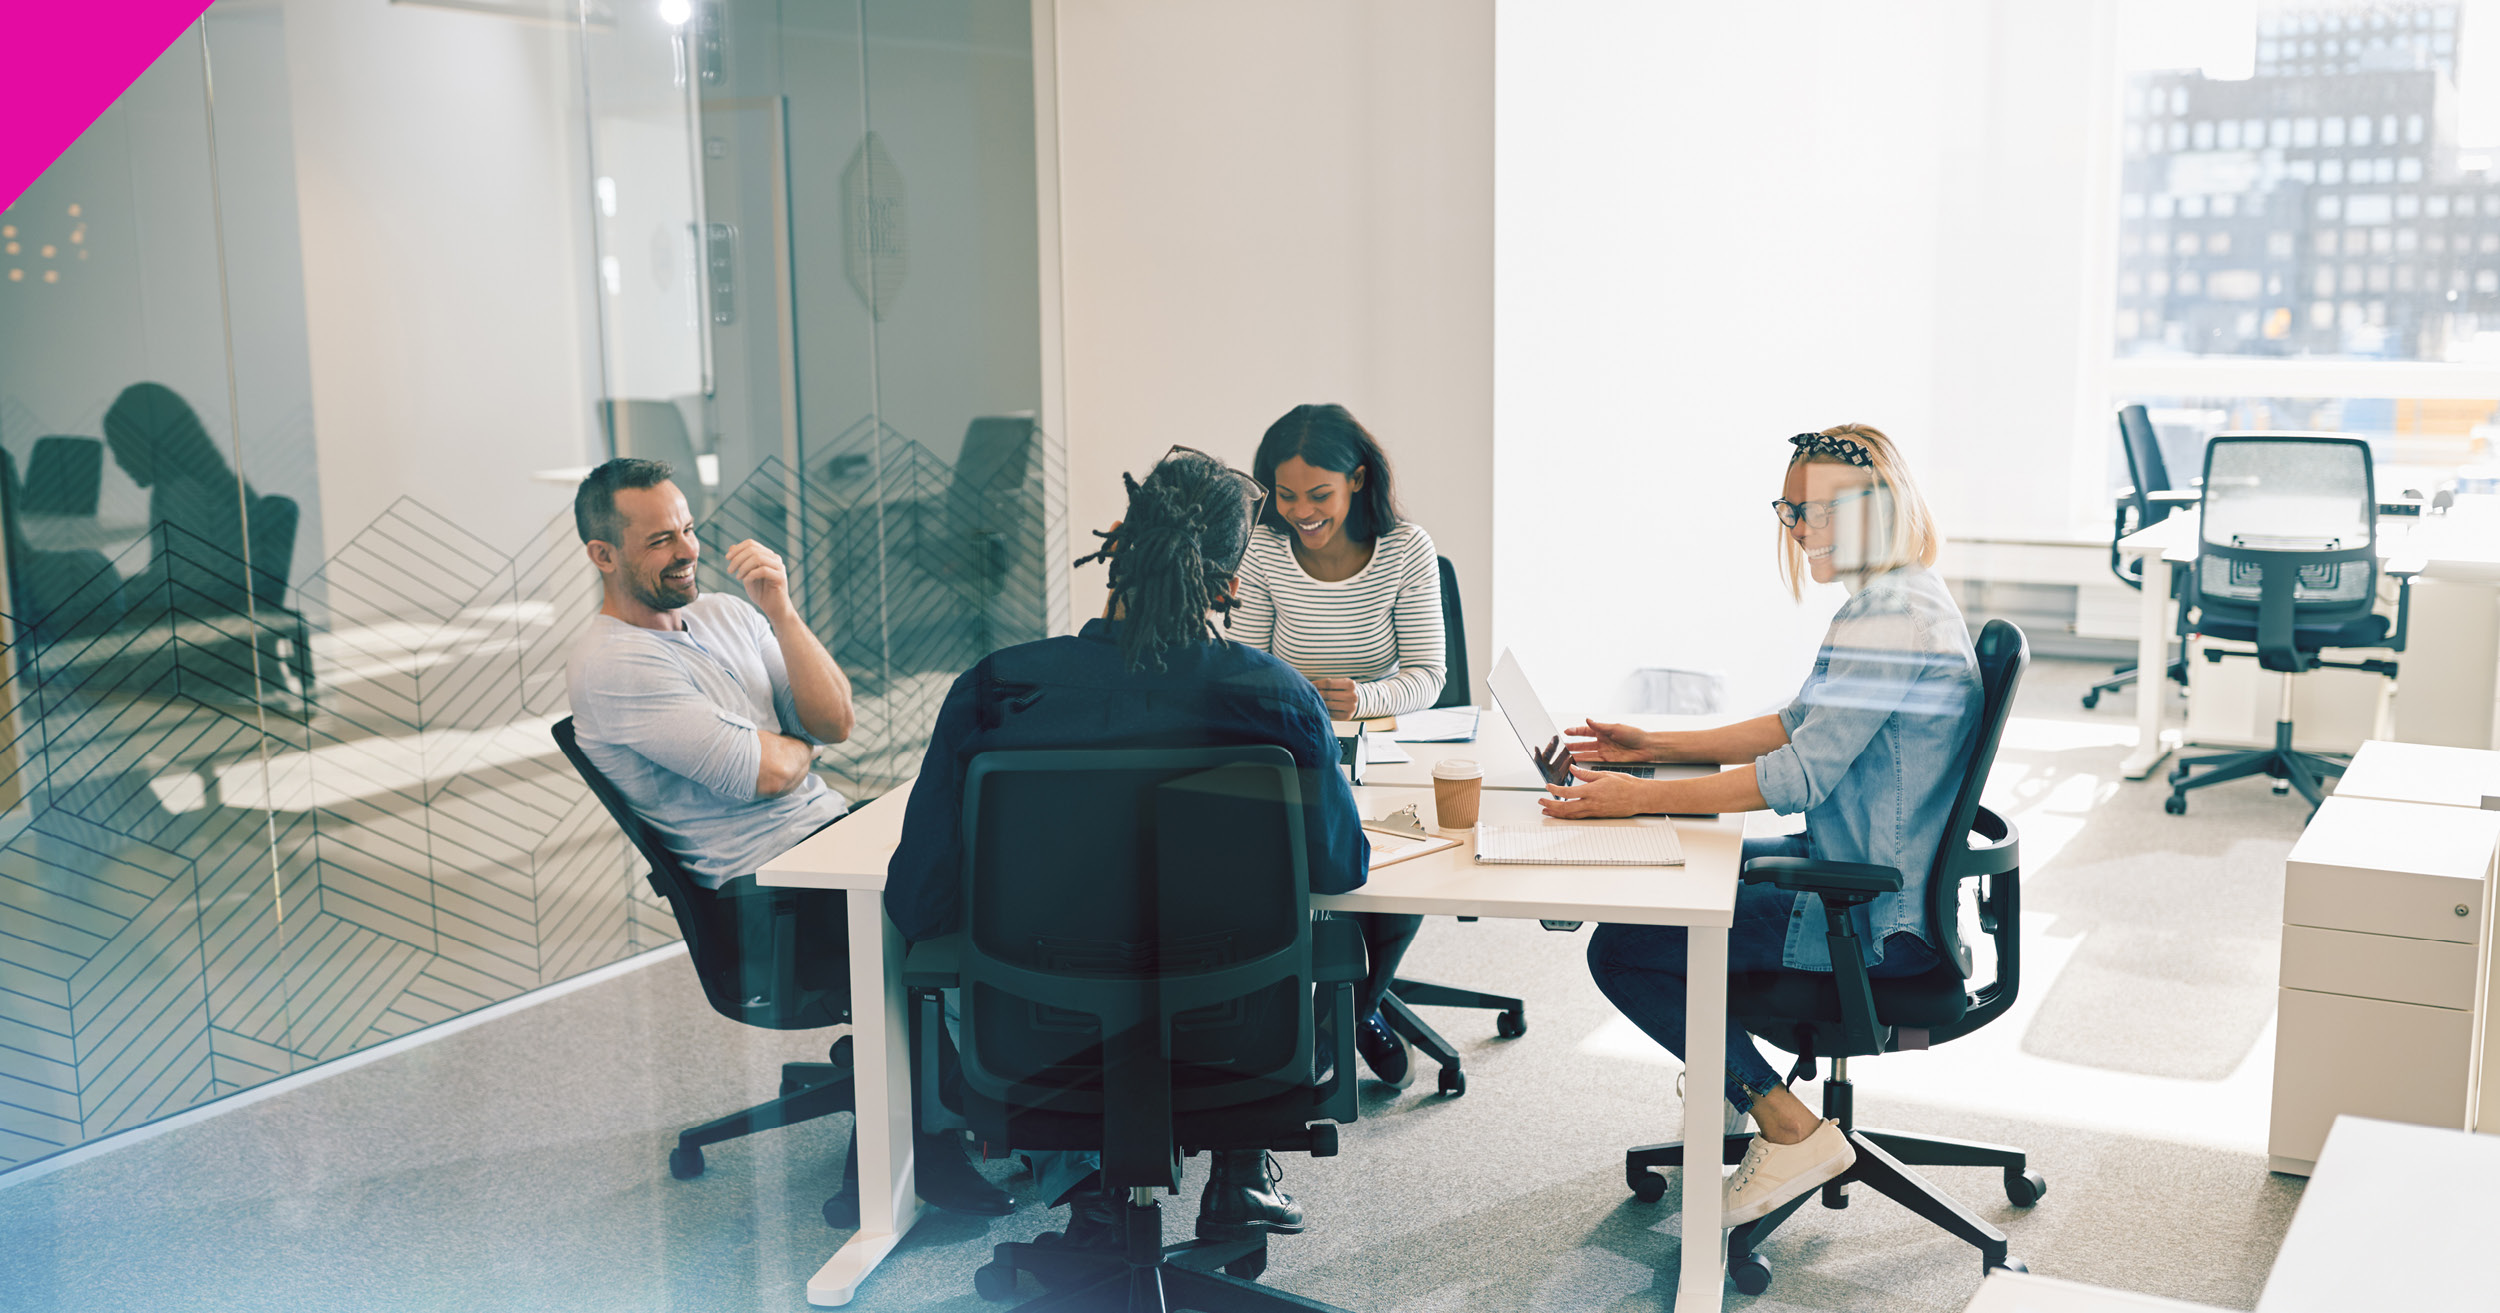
1339, 695
1599, 741
1598, 793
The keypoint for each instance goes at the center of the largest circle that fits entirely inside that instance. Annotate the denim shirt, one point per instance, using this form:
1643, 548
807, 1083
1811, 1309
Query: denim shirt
1078, 692
1877, 741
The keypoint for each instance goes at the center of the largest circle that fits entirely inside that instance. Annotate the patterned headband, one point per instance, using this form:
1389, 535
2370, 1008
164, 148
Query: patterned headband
1824, 444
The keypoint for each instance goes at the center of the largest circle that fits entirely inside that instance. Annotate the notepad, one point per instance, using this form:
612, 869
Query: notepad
1592, 845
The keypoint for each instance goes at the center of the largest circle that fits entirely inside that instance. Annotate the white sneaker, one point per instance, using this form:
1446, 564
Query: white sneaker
1732, 1119
1773, 1174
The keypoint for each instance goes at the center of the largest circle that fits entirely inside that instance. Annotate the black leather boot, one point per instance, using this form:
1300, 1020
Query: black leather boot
1241, 1198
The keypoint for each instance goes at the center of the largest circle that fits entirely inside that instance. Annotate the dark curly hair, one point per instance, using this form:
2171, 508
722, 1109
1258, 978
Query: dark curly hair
1174, 554
1329, 438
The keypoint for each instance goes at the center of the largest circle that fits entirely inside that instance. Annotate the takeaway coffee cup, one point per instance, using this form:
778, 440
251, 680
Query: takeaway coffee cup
1457, 793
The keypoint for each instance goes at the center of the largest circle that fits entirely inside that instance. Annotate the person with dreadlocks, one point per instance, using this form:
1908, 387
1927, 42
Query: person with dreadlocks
1155, 671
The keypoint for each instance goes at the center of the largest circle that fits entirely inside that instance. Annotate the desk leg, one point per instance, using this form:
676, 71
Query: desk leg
1699, 1286
2152, 670
881, 1061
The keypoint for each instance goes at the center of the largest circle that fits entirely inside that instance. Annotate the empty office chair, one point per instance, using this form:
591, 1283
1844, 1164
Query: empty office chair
2288, 562
1406, 993
1843, 1014
52, 595
766, 958
2147, 500
1137, 966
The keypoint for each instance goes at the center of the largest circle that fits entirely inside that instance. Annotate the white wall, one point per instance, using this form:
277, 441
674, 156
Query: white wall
1721, 225
1264, 205
441, 167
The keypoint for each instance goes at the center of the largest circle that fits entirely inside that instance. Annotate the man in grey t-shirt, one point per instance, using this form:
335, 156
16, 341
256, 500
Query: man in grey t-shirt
705, 710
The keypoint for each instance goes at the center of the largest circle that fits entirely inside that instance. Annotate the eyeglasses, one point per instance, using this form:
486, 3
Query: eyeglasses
1816, 514
1251, 490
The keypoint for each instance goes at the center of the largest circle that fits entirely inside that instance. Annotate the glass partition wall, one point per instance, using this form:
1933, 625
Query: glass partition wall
302, 348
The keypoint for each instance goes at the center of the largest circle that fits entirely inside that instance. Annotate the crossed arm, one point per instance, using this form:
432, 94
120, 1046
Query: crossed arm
818, 688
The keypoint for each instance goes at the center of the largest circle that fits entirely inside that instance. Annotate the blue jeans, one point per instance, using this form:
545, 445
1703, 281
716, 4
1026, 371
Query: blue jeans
1641, 968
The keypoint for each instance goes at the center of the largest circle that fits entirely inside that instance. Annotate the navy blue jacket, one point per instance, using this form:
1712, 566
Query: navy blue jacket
1077, 692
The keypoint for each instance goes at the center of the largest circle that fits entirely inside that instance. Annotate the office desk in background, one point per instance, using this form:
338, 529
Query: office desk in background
2396, 1217
2450, 669
1700, 894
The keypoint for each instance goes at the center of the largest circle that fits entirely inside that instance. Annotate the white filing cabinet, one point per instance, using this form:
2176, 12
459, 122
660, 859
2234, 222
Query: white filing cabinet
2384, 911
2423, 772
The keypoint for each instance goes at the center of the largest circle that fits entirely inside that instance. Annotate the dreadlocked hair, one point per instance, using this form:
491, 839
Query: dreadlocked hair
1174, 554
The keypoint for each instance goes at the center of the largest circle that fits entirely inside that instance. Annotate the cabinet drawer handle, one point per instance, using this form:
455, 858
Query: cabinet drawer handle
2460, 909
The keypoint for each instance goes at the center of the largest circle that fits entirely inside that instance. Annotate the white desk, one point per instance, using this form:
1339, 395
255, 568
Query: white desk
1701, 894
2021, 1292
1495, 748
851, 856
2453, 648
2397, 1217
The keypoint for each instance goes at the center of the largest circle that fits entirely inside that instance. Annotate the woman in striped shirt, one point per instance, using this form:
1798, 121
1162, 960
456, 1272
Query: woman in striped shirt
1344, 591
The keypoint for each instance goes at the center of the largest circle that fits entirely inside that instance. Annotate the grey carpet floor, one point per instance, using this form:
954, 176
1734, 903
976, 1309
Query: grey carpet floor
519, 1164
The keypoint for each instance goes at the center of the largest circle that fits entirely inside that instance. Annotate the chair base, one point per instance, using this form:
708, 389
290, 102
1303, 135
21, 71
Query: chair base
1405, 995
1145, 1276
809, 1090
2124, 674
1884, 1162
2307, 772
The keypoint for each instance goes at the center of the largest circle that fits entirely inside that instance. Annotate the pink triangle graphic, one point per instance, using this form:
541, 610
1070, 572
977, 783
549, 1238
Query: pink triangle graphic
63, 63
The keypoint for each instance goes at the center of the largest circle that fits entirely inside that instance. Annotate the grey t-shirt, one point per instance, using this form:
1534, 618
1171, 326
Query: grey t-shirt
671, 717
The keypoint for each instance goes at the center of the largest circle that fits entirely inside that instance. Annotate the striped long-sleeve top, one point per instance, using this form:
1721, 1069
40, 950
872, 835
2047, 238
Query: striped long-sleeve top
1381, 628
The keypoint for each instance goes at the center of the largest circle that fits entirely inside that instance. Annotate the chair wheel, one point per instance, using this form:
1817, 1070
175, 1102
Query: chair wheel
2175, 804
1512, 1023
2091, 699
1752, 1274
685, 1162
1249, 1265
995, 1281
1647, 1186
2023, 1189
1453, 1081
2012, 1264
840, 1053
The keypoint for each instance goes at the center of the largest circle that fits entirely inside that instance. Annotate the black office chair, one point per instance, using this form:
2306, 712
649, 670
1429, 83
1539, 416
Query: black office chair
1406, 993
2147, 500
1138, 966
1842, 1014
774, 958
64, 475
2289, 563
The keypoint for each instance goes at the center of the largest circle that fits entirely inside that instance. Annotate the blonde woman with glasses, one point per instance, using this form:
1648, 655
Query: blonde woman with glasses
1871, 752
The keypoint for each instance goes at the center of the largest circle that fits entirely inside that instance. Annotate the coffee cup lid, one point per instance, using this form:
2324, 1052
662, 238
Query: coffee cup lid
1456, 768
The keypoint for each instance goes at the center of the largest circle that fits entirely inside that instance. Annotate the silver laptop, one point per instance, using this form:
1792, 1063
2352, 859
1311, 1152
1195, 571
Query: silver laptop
1543, 741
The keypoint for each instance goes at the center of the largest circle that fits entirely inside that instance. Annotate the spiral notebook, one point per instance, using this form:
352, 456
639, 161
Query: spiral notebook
1575, 845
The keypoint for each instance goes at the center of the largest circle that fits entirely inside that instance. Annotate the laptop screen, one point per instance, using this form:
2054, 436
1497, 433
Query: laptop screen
1520, 706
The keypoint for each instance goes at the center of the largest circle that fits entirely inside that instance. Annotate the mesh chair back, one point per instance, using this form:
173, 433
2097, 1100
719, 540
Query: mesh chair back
1154, 898
2301, 505
1455, 685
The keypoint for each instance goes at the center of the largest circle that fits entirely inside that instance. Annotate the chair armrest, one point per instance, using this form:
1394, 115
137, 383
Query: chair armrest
1336, 952
1844, 883
934, 963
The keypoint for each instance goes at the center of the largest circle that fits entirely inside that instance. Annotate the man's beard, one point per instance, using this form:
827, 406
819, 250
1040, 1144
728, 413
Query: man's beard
660, 596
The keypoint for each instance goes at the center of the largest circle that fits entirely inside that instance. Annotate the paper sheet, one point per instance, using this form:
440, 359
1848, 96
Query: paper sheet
1383, 750
1438, 725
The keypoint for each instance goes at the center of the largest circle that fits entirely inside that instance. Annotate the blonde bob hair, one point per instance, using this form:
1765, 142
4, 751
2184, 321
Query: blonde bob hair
1899, 529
